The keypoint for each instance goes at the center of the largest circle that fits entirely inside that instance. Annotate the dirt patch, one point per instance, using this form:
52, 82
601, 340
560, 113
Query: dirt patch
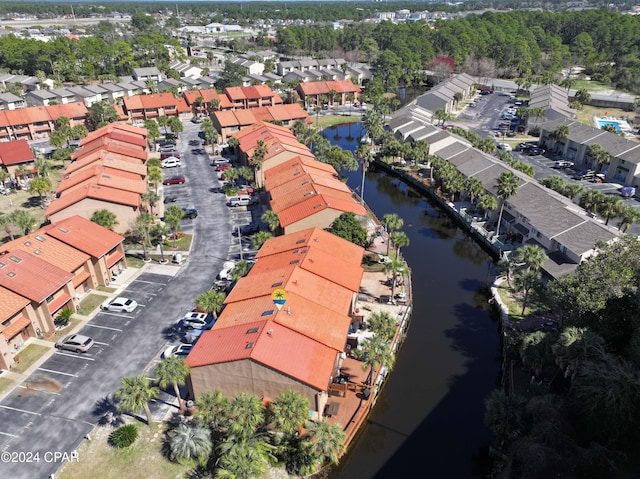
43, 383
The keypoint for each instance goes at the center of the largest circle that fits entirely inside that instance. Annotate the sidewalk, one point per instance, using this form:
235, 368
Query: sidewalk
16, 379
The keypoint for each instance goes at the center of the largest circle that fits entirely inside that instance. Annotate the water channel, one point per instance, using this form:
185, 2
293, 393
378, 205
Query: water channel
428, 420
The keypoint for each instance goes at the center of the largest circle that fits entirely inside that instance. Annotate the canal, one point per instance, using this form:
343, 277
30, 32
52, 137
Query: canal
428, 420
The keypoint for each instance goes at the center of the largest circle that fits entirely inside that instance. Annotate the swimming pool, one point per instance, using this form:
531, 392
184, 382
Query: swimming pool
603, 123
618, 123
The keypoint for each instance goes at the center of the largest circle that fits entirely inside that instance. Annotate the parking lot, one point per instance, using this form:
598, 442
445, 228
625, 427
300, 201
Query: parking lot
60, 403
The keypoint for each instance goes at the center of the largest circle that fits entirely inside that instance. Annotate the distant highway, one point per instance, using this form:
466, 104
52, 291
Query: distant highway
62, 21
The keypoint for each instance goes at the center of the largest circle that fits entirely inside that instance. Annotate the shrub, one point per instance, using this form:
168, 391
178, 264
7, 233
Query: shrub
63, 318
124, 436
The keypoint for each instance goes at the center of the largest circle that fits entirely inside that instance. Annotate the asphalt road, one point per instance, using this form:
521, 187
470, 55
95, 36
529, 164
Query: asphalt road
44, 420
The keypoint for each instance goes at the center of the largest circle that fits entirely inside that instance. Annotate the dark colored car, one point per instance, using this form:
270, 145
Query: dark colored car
584, 175
535, 151
247, 230
170, 199
174, 180
190, 213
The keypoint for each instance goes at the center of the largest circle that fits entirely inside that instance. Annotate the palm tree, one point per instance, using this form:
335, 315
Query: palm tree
190, 441
507, 186
399, 240
559, 133
599, 155
505, 415
488, 203
172, 370
212, 408
172, 217
105, 218
289, 411
474, 188
391, 223
134, 394
629, 216
153, 131
382, 324
150, 198
260, 238
23, 220
525, 281
575, 345
457, 97
272, 220
532, 257
327, 440
610, 207
40, 185
159, 232
365, 154
211, 301
243, 459
261, 150
142, 227
374, 352
155, 176
395, 266
43, 166
246, 415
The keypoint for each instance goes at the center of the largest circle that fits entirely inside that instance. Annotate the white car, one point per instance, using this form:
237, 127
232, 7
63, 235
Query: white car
180, 350
504, 146
171, 162
225, 272
119, 305
76, 343
196, 320
219, 160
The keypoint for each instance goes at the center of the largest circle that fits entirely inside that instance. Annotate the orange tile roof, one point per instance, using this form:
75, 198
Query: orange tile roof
50, 250
94, 191
38, 114
272, 345
316, 261
294, 280
17, 151
317, 203
104, 159
244, 117
288, 197
158, 100
133, 102
341, 249
294, 167
18, 117
84, 235
30, 276
235, 93
71, 110
182, 106
103, 177
11, 303
300, 181
111, 146
262, 114
324, 87
126, 138
225, 118
117, 127
15, 327
299, 314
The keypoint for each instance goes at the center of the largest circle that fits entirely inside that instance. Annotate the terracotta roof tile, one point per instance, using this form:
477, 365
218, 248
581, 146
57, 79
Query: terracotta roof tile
111, 146
11, 303
17, 151
287, 197
94, 191
272, 345
105, 178
15, 327
107, 161
294, 167
134, 132
74, 110
315, 204
235, 93
30, 276
84, 235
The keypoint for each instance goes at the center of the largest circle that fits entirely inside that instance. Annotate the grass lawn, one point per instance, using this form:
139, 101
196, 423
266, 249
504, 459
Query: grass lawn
5, 383
134, 262
63, 332
590, 86
28, 356
90, 303
513, 301
107, 289
331, 120
98, 459
586, 114
183, 244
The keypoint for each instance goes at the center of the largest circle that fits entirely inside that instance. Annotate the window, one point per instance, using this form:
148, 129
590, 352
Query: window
249, 345
253, 330
275, 285
268, 312
300, 241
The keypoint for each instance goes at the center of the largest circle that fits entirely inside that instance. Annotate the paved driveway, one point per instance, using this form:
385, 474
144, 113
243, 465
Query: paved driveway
44, 420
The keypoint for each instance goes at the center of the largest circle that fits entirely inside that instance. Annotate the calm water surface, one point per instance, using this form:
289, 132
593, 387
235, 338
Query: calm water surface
427, 421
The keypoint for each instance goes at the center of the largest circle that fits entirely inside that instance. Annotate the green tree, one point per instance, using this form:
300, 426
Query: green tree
399, 240
172, 370
272, 220
175, 125
260, 238
382, 324
100, 114
153, 132
42, 186
172, 217
347, 227
23, 220
599, 155
105, 218
629, 216
154, 176
212, 408
142, 227
190, 441
531, 257
246, 416
610, 207
150, 198
391, 222
505, 415
211, 301
374, 352
159, 233
134, 394
289, 411
327, 440
525, 281
488, 203
507, 186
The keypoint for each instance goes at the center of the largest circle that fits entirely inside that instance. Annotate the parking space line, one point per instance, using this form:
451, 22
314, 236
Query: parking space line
7, 434
76, 356
117, 314
129, 290
57, 372
148, 282
101, 344
20, 410
103, 327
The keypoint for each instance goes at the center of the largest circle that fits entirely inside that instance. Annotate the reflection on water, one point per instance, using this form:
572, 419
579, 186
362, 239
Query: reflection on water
429, 414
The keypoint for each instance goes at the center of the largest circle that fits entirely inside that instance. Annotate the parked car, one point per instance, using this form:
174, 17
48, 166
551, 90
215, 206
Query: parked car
224, 167
225, 272
191, 336
219, 160
170, 199
584, 175
76, 343
171, 162
503, 146
196, 119
241, 200
562, 164
196, 320
535, 151
169, 154
167, 148
190, 213
179, 350
598, 178
119, 305
174, 180
247, 230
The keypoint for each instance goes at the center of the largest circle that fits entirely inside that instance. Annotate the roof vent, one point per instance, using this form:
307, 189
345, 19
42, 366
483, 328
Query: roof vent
27, 243
249, 345
295, 261
268, 312
253, 330
270, 332
11, 274
37, 251
300, 241
15, 259
41, 238
275, 285
64, 230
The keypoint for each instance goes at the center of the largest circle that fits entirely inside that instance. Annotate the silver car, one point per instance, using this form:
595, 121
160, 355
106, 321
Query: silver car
76, 343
